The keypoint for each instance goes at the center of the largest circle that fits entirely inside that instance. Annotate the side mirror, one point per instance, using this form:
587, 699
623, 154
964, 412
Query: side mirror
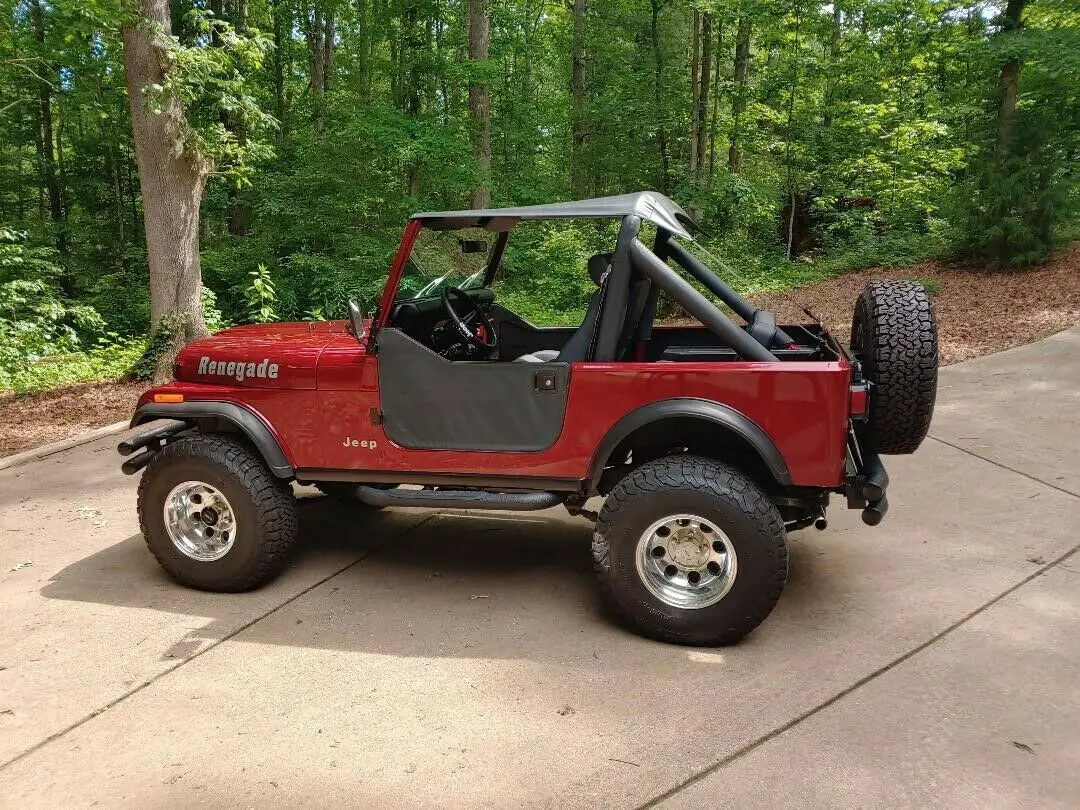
356, 319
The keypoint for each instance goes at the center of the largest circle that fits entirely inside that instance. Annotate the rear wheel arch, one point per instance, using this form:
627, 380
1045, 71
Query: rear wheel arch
224, 417
700, 426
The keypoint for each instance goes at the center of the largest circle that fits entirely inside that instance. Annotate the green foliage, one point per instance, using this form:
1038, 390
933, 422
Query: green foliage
213, 86
931, 285
212, 316
894, 103
160, 341
544, 278
113, 358
1023, 192
260, 296
35, 320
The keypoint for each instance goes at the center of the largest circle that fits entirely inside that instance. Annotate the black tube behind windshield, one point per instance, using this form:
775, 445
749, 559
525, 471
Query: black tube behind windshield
718, 287
698, 305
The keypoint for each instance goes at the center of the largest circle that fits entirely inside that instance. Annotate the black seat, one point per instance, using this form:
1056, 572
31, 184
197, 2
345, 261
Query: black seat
581, 344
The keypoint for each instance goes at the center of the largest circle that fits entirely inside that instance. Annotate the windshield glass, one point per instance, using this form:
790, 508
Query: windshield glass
440, 260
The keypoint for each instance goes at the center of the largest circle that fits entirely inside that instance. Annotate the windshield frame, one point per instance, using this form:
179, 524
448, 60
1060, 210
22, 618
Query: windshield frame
482, 278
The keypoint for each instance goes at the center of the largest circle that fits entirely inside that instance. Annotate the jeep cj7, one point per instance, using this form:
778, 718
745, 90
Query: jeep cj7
708, 443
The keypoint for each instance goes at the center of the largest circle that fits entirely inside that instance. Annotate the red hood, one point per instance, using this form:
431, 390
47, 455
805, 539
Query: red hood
265, 355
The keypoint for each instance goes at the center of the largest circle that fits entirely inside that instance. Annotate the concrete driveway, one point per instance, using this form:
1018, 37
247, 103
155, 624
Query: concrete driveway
463, 660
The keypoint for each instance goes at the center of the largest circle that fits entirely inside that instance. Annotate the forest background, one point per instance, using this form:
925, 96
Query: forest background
279, 146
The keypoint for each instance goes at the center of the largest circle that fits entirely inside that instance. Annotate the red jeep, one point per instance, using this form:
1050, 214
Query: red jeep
708, 443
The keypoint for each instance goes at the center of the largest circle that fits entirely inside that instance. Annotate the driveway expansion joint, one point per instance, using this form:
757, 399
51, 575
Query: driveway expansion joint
784, 728
217, 643
1029, 476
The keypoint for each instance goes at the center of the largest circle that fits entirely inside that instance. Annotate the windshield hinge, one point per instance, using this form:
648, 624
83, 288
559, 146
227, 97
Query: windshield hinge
376, 416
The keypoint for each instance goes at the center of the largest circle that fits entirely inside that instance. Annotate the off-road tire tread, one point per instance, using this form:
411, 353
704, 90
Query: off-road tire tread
275, 506
894, 335
720, 481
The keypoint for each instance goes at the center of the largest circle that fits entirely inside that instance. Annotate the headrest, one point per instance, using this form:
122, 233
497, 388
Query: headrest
598, 265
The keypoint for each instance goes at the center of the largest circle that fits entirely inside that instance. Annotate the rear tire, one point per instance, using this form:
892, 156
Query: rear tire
894, 336
682, 517
214, 516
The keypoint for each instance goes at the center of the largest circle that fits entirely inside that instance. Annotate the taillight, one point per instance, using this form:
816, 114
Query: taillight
860, 400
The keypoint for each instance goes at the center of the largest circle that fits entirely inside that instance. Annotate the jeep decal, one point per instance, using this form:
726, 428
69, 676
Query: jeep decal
238, 369
366, 444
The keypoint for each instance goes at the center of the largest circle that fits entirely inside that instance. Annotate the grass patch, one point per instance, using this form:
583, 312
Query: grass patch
106, 362
931, 285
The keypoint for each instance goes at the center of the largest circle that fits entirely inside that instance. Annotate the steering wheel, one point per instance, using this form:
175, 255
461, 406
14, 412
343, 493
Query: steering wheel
475, 327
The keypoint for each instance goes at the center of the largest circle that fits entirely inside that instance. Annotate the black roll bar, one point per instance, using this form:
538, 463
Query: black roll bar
697, 304
717, 286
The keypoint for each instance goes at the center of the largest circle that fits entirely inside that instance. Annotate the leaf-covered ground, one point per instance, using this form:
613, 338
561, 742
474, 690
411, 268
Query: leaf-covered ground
34, 419
978, 313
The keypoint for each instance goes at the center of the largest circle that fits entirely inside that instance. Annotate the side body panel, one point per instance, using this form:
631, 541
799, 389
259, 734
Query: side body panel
802, 406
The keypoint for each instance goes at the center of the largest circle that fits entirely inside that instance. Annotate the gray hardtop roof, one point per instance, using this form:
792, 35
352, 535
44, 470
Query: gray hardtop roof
651, 206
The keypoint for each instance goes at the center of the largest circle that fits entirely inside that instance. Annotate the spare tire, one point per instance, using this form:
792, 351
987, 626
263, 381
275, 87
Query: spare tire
894, 337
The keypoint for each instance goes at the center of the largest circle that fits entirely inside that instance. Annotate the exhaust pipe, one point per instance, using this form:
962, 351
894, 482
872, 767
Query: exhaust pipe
875, 512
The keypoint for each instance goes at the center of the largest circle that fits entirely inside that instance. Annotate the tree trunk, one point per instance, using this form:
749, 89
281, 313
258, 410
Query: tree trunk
715, 104
172, 176
114, 174
314, 36
1008, 83
410, 48
329, 32
319, 35
695, 67
480, 101
790, 132
703, 93
658, 84
240, 210
738, 103
363, 45
46, 145
833, 58
282, 22
578, 112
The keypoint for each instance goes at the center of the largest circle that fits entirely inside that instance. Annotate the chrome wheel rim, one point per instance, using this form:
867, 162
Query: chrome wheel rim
686, 561
200, 521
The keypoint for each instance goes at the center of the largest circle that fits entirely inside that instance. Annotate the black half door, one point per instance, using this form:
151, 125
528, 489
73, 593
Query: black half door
430, 403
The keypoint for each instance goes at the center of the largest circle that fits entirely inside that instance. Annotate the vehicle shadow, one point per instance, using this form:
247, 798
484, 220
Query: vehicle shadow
394, 583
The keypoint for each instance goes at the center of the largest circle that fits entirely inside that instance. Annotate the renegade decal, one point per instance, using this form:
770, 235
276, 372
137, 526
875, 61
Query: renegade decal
238, 369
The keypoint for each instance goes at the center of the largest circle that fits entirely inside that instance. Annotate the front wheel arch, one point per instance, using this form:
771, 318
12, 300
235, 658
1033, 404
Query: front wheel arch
224, 417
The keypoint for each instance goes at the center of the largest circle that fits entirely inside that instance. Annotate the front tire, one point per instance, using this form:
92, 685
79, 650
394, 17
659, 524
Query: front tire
214, 516
689, 551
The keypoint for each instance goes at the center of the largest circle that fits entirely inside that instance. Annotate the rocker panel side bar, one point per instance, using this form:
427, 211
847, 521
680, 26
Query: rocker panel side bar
451, 499
698, 305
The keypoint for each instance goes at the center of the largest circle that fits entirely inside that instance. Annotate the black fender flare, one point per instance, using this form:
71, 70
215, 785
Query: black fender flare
205, 414
722, 416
